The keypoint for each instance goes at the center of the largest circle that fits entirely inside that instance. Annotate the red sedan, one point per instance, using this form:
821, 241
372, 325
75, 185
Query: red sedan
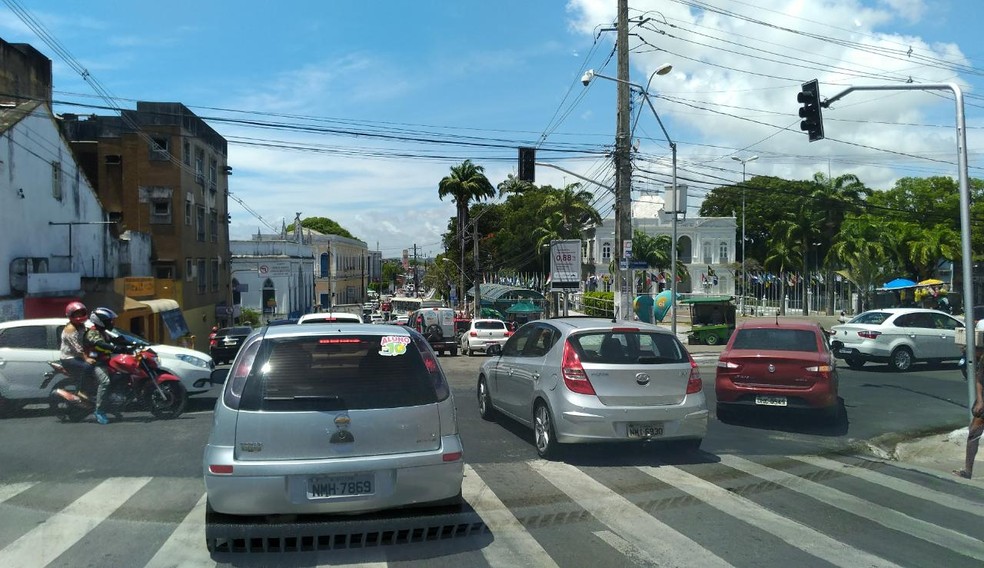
777, 364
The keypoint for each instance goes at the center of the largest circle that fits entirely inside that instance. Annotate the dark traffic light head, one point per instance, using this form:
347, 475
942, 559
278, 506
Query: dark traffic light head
812, 121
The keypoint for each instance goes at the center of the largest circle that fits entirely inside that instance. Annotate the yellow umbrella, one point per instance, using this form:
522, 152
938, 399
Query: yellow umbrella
931, 282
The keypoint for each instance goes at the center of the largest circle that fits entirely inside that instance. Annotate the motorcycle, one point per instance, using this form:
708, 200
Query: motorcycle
136, 381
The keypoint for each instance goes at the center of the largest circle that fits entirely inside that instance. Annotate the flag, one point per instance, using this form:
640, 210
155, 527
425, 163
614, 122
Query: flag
710, 271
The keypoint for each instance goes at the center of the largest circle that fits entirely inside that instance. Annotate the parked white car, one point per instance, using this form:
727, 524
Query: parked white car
897, 336
482, 333
26, 346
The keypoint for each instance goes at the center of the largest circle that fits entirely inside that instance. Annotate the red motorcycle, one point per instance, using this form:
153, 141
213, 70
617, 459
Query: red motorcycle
136, 381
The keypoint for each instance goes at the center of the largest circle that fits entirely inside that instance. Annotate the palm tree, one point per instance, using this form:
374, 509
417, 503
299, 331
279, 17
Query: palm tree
574, 206
837, 197
465, 183
784, 251
860, 249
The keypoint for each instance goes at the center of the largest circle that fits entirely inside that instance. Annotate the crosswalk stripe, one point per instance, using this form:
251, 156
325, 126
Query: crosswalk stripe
805, 538
47, 541
627, 549
513, 545
944, 537
900, 485
185, 548
8, 491
644, 531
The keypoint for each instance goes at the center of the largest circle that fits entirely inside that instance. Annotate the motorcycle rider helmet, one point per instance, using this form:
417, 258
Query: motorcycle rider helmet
77, 313
103, 318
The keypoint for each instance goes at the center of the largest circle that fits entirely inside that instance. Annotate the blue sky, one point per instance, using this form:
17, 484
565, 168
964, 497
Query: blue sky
373, 102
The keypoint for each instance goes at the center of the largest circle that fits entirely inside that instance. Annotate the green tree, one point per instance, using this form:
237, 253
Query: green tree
837, 198
784, 254
465, 183
859, 248
573, 205
323, 225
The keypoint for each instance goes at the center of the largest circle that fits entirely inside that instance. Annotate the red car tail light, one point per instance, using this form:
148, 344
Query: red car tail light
508, 333
694, 383
212, 342
869, 334
220, 469
822, 370
452, 456
727, 365
473, 333
575, 378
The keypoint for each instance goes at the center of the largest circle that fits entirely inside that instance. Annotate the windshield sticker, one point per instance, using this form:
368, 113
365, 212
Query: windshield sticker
393, 345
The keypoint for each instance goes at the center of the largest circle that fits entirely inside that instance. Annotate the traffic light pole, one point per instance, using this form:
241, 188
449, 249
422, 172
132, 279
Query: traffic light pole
967, 264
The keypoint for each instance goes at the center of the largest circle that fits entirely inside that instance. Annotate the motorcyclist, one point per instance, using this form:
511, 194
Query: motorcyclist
73, 353
102, 344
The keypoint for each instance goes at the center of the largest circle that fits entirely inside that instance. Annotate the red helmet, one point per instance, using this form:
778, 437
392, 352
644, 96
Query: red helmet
77, 313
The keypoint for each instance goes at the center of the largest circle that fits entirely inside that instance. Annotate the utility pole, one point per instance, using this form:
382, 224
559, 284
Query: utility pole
623, 165
478, 277
416, 283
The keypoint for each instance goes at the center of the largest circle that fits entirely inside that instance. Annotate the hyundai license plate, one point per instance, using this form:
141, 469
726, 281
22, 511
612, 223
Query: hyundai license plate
645, 429
771, 400
340, 485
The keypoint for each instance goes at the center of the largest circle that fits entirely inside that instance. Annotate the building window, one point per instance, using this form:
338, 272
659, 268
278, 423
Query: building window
186, 152
199, 165
606, 252
213, 168
201, 223
213, 278
213, 225
159, 149
324, 265
723, 253
160, 211
113, 159
56, 188
202, 280
189, 205
707, 253
164, 271
189, 269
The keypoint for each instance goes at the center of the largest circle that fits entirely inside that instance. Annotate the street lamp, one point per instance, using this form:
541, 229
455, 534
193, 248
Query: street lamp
743, 284
662, 70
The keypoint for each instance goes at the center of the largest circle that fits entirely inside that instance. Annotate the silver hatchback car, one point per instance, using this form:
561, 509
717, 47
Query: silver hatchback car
576, 380
341, 418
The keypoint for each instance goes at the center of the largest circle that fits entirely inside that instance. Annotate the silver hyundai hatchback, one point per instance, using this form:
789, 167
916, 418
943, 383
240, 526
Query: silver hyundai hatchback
576, 380
333, 418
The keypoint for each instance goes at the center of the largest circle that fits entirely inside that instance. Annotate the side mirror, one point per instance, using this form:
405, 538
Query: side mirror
218, 376
494, 350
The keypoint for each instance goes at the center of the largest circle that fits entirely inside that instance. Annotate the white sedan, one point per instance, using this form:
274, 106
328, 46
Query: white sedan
482, 333
897, 336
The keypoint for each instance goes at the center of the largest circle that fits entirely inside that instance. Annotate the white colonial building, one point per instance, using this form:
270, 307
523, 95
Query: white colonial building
706, 247
273, 275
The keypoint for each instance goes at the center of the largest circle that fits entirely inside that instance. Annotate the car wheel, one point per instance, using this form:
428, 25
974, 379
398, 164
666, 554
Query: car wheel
712, 339
901, 359
854, 362
543, 432
485, 408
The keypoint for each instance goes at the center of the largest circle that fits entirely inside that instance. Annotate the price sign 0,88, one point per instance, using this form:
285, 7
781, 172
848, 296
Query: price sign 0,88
565, 265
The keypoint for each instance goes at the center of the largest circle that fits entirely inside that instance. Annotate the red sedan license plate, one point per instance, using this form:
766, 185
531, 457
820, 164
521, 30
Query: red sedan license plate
770, 400
645, 429
339, 485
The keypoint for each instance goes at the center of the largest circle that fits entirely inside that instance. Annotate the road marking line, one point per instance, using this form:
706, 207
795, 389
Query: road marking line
14, 489
186, 545
900, 485
626, 548
791, 532
513, 545
642, 530
60, 531
946, 538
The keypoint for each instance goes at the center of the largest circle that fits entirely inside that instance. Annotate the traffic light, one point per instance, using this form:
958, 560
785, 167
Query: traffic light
812, 121
527, 167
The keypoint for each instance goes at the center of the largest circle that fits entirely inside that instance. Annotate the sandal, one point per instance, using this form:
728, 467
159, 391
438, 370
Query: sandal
961, 473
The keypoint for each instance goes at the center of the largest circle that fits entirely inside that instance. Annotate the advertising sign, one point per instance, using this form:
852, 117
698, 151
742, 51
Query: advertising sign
565, 265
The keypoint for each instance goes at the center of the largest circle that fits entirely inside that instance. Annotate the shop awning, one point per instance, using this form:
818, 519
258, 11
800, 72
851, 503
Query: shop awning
161, 305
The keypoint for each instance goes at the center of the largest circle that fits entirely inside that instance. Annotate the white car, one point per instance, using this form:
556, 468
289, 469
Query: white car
482, 333
897, 336
26, 346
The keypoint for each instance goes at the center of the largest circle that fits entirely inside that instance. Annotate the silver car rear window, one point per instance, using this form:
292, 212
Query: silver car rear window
776, 340
628, 348
327, 373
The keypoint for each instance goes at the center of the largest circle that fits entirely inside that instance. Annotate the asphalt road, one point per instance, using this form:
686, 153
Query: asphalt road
771, 490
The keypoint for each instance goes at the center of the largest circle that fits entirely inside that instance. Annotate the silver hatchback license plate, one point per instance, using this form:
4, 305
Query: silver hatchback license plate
771, 400
326, 486
645, 429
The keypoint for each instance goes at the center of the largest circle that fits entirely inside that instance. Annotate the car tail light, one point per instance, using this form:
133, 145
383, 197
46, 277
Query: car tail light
694, 383
575, 378
212, 342
727, 365
508, 333
452, 456
869, 334
220, 469
473, 333
822, 370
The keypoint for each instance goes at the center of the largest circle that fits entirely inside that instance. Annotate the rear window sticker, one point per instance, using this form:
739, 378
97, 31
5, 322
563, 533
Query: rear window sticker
393, 345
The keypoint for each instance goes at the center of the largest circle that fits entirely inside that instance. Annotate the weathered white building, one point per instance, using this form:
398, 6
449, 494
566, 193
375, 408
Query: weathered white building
706, 247
58, 243
274, 275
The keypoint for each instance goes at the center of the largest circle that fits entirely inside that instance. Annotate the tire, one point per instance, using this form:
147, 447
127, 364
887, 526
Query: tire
901, 359
544, 438
172, 404
61, 408
454, 351
712, 339
433, 333
854, 363
485, 408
